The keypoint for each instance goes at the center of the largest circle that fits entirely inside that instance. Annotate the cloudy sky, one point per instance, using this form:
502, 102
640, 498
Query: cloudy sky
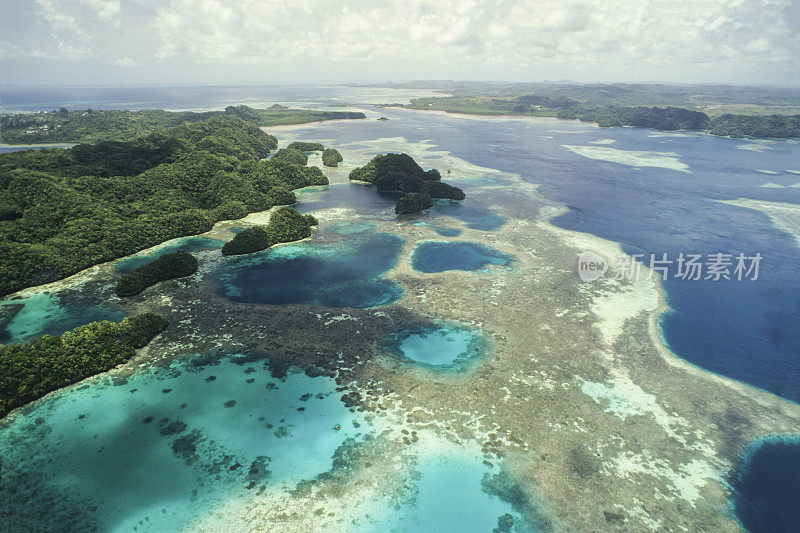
110, 42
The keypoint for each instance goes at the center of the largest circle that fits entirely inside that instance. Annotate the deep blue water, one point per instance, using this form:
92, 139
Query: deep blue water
439, 256
343, 274
768, 487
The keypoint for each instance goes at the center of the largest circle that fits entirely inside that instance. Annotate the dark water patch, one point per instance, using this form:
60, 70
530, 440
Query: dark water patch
474, 217
184, 244
236, 229
345, 274
767, 489
439, 256
363, 199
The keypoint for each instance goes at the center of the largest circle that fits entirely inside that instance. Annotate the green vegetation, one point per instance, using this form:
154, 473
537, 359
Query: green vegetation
63, 210
312, 220
669, 118
169, 266
331, 157
413, 203
400, 173
756, 126
92, 126
307, 146
770, 112
281, 196
31, 370
285, 225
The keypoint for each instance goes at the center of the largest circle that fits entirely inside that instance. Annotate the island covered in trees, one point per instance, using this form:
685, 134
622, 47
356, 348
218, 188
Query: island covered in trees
89, 125
64, 210
285, 225
400, 173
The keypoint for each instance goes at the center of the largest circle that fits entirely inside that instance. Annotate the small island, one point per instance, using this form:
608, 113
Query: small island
400, 173
307, 146
285, 225
331, 157
170, 266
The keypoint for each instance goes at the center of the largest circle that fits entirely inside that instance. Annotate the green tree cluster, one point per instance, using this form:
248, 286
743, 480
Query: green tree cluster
89, 125
63, 210
169, 266
667, 118
307, 146
413, 203
285, 225
29, 371
331, 157
400, 173
757, 126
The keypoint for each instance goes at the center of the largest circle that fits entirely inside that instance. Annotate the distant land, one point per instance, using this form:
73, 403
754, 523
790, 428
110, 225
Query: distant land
733, 111
89, 125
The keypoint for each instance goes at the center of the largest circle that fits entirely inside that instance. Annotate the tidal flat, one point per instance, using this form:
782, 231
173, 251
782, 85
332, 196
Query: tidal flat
576, 417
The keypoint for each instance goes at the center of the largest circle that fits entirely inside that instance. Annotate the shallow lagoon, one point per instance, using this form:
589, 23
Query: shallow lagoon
342, 274
45, 314
167, 444
444, 346
469, 504
439, 256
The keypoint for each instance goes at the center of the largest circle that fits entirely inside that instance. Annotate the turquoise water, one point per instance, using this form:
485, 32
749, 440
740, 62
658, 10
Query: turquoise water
439, 256
351, 227
448, 494
236, 229
441, 346
166, 445
342, 274
45, 314
185, 244
441, 230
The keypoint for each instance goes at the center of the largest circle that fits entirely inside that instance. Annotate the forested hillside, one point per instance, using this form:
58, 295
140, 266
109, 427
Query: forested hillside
89, 125
63, 210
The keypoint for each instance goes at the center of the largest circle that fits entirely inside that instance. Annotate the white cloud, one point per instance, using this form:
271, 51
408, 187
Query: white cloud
106, 10
126, 62
724, 40
662, 31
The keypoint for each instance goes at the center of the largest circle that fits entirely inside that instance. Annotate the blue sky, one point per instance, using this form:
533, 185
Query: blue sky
112, 42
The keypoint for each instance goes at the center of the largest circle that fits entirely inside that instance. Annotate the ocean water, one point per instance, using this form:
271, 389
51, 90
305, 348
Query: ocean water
439, 256
343, 274
45, 314
185, 244
167, 445
768, 486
